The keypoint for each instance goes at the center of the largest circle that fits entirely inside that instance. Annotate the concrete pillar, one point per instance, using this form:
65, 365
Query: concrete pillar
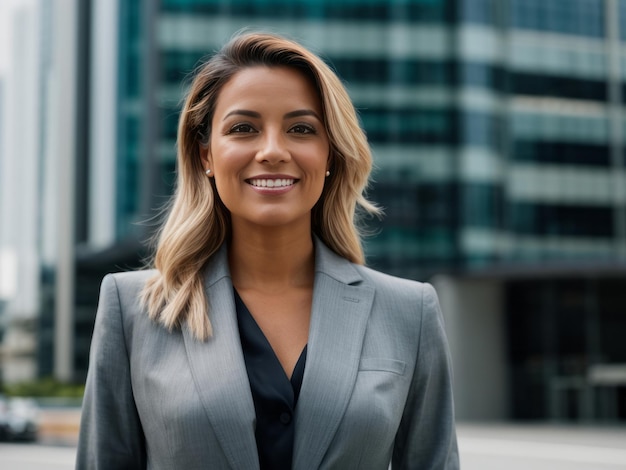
474, 314
103, 122
65, 74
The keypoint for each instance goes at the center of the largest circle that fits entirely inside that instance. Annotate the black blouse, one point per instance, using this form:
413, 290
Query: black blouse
274, 395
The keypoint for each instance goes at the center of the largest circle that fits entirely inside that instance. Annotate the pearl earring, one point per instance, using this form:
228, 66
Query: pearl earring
327, 173
208, 172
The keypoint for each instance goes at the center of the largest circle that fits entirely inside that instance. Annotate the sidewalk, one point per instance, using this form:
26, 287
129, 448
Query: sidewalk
542, 446
59, 426
611, 436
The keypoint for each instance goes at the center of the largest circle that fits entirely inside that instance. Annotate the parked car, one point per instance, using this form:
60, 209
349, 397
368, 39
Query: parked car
19, 419
4, 419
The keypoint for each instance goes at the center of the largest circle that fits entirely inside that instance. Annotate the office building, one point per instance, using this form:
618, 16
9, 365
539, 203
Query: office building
498, 133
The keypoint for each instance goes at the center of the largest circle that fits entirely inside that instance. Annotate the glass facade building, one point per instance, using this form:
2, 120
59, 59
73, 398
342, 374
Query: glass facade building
498, 132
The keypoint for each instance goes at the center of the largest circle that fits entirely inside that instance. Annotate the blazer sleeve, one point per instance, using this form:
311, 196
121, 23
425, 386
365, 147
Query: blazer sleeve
110, 434
426, 437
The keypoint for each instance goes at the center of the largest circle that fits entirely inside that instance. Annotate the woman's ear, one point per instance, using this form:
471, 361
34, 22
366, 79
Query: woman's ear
205, 158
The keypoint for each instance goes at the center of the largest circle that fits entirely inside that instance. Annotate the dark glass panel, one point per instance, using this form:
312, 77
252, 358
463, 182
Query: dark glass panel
576, 17
419, 217
436, 204
565, 87
380, 10
561, 220
569, 153
177, 65
612, 311
381, 70
414, 204
551, 345
481, 129
482, 75
130, 50
622, 19
481, 205
169, 173
534, 84
479, 11
129, 130
426, 126
623, 88
170, 124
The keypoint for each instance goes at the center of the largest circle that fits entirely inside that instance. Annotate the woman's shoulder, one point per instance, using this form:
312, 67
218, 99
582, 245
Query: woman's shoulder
397, 289
388, 280
136, 278
127, 283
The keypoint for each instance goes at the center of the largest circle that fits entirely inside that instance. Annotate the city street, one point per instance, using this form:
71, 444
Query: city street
483, 447
36, 457
541, 447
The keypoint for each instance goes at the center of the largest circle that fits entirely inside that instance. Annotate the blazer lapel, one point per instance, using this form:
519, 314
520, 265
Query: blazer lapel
219, 371
339, 315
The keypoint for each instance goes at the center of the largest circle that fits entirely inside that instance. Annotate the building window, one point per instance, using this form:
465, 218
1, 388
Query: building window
576, 17
561, 220
380, 10
383, 71
481, 129
622, 19
558, 86
569, 153
560, 128
479, 11
481, 205
412, 125
482, 75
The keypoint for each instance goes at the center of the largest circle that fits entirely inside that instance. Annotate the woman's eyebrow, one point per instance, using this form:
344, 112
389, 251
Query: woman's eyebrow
289, 115
243, 112
302, 112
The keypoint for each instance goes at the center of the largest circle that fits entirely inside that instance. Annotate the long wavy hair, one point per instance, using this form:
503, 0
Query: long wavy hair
198, 222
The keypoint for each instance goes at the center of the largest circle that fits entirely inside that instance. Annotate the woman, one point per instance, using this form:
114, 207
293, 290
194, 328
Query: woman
261, 340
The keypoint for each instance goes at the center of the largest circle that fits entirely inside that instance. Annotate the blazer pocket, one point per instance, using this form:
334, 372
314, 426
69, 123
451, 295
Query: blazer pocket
382, 364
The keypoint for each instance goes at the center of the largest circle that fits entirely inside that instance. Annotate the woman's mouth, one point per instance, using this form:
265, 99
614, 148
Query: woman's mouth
271, 183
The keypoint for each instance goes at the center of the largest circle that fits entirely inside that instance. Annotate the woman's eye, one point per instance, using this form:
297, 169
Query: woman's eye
241, 129
302, 129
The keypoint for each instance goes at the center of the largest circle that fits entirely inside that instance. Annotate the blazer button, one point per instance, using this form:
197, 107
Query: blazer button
285, 418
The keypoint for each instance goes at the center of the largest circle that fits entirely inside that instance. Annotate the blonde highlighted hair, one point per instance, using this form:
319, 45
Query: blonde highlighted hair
198, 223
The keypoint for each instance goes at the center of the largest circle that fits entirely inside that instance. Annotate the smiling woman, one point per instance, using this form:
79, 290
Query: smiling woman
269, 151
260, 341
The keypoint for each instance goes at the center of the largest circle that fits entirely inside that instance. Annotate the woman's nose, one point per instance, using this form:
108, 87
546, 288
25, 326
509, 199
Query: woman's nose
273, 148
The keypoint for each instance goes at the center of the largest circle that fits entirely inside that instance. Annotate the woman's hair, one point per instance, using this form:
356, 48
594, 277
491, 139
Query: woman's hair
198, 222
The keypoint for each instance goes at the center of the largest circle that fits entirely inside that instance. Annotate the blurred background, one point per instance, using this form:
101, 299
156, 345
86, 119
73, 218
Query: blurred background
498, 132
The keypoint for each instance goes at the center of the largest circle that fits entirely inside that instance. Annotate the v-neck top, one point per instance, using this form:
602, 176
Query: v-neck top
274, 395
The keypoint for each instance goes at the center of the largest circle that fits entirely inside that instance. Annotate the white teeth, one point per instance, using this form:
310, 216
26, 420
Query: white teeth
267, 183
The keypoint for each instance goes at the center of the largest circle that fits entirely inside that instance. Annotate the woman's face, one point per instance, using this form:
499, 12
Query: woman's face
269, 149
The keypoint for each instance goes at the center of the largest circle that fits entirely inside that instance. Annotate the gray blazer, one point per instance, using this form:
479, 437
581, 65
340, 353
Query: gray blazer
376, 388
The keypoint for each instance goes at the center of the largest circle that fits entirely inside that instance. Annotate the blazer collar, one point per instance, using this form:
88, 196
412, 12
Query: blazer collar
217, 267
219, 370
339, 314
341, 306
333, 265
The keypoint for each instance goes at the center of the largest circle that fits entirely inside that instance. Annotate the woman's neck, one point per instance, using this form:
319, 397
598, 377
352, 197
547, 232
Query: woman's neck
271, 260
